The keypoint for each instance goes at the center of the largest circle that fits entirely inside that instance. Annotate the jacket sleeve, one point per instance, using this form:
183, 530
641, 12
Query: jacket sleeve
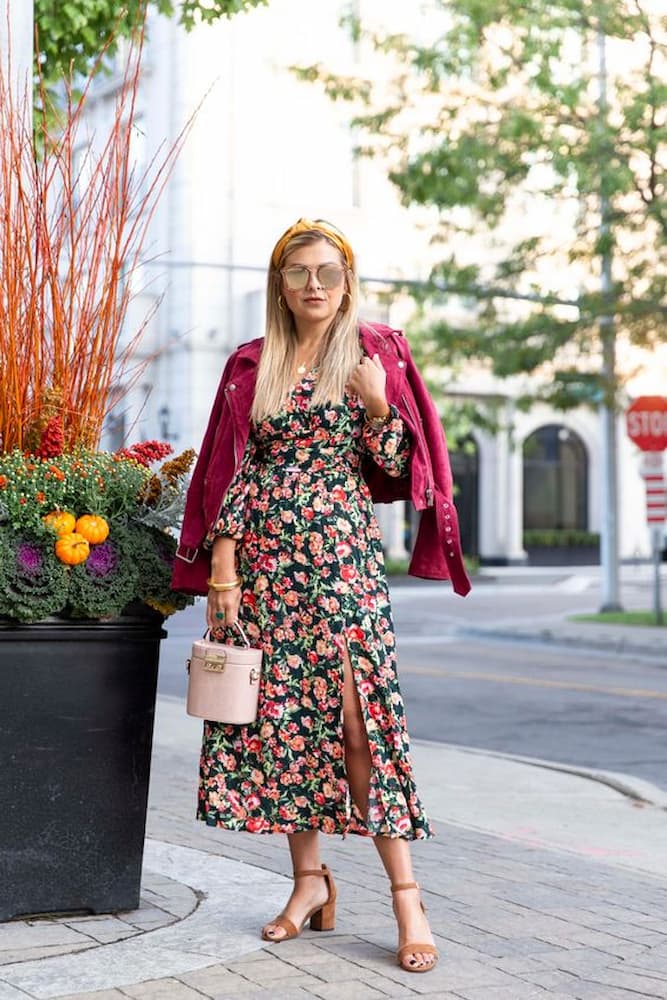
438, 522
232, 520
194, 525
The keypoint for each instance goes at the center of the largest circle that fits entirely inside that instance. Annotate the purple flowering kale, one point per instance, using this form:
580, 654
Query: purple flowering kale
103, 560
29, 559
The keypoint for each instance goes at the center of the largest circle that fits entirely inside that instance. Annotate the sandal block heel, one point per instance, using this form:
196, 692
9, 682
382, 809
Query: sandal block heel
322, 918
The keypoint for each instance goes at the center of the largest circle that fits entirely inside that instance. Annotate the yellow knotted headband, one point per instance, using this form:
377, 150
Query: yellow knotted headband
313, 226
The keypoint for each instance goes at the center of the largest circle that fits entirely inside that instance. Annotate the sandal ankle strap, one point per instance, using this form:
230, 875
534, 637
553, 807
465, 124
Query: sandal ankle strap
399, 886
323, 871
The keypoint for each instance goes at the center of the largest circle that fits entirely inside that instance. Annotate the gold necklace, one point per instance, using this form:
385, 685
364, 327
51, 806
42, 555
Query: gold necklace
306, 366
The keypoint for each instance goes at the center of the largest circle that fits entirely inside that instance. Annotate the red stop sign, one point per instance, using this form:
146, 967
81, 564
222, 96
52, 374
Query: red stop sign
646, 421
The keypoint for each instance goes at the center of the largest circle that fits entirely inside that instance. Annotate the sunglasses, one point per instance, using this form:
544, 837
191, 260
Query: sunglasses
327, 276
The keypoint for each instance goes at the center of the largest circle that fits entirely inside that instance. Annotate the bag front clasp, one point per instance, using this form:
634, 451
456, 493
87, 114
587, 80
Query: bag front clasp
215, 663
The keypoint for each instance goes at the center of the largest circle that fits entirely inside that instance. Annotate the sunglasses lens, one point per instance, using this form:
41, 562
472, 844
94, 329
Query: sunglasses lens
329, 275
295, 278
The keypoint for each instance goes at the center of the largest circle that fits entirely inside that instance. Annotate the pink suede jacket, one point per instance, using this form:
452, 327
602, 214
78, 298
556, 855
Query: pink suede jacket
428, 484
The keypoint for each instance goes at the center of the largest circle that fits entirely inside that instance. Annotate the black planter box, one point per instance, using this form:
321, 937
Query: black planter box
77, 703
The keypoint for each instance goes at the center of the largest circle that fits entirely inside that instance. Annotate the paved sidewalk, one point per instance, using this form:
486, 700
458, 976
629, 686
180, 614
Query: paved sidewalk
580, 585
645, 640
539, 884
583, 584
543, 881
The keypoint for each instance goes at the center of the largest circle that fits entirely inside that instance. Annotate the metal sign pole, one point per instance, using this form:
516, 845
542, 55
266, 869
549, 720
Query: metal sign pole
657, 556
652, 471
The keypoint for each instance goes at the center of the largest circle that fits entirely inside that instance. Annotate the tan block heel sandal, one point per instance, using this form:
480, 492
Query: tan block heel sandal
414, 947
322, 917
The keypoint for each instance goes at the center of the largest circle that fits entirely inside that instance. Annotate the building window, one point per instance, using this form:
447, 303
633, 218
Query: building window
555, 479
465, 470
113, 435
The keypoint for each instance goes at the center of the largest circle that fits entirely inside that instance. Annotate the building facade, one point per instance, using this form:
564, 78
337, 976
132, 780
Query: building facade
266, 149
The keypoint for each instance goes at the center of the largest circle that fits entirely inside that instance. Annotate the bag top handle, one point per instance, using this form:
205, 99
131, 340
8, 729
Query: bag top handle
238, 626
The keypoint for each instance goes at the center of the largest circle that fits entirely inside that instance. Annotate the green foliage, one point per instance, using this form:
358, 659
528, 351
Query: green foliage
108, 580
551, 538
622, 618
72, 34
81, 482
133, 564
33, 583
498, 128
154, 552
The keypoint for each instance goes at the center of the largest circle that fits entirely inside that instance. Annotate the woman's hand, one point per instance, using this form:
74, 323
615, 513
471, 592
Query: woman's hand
222, 609
368, 381
223, 605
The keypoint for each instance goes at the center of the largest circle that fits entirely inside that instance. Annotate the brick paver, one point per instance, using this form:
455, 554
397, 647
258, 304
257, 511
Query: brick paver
512, 922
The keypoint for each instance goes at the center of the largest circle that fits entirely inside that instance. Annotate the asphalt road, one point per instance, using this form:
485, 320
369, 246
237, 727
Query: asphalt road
569, 706
573, 706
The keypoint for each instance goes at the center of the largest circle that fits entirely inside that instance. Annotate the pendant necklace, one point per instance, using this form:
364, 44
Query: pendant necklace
305, 366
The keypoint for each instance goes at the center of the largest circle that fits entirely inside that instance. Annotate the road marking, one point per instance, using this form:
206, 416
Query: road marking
535, 682
575, 584
426, 640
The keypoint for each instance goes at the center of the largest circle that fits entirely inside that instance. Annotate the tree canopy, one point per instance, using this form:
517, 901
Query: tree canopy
72, 34
534, 138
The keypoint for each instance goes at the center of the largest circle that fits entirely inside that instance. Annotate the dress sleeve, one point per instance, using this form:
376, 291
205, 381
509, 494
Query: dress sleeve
389, 445
231, 521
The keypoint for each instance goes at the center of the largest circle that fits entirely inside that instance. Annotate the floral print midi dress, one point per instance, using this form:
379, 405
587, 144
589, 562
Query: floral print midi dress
310, 555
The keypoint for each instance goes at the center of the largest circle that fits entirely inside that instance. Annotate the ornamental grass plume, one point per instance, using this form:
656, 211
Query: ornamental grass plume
70, 247
174, 470
79, 534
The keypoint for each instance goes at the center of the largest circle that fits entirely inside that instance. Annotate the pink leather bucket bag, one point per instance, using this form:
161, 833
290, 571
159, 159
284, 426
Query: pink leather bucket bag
223, 682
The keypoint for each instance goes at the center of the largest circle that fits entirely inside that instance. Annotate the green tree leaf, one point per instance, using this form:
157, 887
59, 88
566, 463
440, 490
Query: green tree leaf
72, 35
537, 183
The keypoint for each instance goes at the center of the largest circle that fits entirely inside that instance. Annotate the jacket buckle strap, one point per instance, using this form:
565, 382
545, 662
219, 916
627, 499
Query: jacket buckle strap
186, 553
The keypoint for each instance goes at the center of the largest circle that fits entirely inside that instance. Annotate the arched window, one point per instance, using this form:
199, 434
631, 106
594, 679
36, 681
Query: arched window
555, 479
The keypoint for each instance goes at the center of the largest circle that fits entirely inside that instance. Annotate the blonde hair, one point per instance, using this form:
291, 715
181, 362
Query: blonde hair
340, 353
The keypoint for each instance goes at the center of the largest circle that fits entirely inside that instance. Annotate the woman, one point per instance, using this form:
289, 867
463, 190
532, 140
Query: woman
311, 424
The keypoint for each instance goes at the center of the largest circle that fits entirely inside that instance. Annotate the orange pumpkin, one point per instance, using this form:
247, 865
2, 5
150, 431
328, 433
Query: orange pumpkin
72, 548
93, 528
60, 521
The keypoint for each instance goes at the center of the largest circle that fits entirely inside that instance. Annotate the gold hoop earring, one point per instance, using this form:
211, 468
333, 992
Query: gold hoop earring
345, 306
281, 303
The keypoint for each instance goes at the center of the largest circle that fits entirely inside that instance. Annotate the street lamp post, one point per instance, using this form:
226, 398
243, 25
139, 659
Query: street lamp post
609, 533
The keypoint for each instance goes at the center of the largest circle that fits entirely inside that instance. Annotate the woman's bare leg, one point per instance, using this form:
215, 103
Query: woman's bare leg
411, 919
394, 851
357, 752
308, 891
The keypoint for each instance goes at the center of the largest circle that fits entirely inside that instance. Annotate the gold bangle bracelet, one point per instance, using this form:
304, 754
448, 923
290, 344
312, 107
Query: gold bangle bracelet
376, 423
218, 587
